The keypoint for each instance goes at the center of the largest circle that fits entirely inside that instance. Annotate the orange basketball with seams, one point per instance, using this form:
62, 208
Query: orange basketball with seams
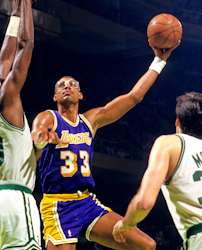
164, 31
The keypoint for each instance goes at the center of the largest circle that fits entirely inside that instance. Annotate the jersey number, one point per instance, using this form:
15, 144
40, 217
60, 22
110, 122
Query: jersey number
197, 177
71, 166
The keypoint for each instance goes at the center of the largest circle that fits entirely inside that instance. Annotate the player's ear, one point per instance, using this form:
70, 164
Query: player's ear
178, 125
54, 98
80, 95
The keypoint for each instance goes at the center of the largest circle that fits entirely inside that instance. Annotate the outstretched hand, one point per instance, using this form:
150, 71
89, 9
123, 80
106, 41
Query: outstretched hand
42, 137
164, 54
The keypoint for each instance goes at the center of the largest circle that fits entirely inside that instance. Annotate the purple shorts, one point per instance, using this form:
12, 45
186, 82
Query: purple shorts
66, 215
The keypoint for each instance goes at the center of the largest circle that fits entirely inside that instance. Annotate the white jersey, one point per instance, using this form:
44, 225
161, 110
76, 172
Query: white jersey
17, 158
183, 192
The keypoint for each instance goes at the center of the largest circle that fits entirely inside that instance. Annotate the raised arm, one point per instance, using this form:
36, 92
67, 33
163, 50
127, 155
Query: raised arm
162, 162
9, 47
115, 109
11, 106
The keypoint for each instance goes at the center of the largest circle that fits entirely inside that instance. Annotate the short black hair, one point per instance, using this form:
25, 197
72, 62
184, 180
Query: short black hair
189, 113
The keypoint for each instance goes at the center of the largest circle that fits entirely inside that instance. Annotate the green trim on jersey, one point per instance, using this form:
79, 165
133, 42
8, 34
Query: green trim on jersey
11, 125
15, 187
180, 158
194, 230
1, 151
29, 246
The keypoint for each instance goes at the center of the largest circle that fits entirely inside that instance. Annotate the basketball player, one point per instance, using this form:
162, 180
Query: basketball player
67, 207
175, 165
19, 216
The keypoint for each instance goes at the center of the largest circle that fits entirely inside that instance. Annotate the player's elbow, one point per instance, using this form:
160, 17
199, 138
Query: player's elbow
135, 98
26, 44
145, 203
151, 244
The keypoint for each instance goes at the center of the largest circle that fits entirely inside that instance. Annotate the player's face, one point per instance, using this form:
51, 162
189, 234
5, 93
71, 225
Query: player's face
67, 89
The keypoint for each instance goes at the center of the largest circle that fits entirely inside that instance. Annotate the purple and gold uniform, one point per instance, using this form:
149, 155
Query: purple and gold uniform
67, 206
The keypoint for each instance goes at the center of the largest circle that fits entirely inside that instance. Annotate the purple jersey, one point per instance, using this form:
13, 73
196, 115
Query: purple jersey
66, 167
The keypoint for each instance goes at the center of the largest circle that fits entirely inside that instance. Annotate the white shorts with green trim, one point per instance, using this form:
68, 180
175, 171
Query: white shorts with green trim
20, 221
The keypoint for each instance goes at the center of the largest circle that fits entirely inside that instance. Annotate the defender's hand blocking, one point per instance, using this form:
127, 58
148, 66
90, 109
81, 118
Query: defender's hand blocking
42, 137
119, 231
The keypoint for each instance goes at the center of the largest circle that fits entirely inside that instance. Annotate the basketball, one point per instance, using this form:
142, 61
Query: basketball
164, 31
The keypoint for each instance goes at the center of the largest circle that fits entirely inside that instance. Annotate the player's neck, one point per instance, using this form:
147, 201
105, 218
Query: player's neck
70, 113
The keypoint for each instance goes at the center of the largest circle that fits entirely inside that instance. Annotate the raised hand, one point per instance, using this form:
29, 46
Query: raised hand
164, 54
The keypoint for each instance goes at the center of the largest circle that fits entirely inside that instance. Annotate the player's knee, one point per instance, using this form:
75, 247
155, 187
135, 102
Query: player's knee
151, 245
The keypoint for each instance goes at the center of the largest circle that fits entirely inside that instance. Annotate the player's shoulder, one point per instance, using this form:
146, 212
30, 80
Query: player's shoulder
168, 141
86, 119
165, 138
91, 115
47, 115
47, 112
92, 112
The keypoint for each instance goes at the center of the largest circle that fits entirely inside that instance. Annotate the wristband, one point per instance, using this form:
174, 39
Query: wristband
157, 65
13, 26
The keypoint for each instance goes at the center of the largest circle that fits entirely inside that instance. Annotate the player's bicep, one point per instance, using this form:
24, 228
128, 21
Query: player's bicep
43, 120
159, 157
118, 107
21, 64
11, 86
113, 110
9, 92
41, 127
7, 55
156, 172
13, 83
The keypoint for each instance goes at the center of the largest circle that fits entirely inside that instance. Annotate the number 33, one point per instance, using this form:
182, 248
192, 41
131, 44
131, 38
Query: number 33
71, 166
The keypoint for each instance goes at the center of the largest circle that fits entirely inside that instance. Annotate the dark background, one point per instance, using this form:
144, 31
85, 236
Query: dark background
103, 44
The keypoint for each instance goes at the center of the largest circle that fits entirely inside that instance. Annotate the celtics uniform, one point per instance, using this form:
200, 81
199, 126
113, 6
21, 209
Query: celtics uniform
183, 193
20, 223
